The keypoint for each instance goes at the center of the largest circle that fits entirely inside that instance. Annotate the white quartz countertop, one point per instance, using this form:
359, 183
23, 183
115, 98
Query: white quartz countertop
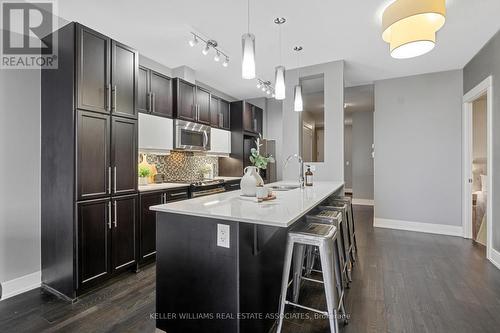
227, 179
161, 186
287, 208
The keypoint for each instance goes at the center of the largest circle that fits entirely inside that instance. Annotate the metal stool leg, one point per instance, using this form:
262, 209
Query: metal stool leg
298, 264
310, 256
326, 256
284, 283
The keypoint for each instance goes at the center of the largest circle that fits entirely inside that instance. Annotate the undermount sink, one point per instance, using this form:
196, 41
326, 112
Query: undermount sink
284, 187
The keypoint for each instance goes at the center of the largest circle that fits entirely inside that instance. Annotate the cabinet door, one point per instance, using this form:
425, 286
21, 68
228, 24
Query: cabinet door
258, 115
203, 103
93, 71
94, 225
224, 115
214, 111
143, 90
124, 155
123, 231
124, 72
161, 99
185, 101
248, 117
147, 224
93, 155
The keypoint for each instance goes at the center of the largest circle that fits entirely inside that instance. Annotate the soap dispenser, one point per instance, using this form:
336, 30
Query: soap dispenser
309, 176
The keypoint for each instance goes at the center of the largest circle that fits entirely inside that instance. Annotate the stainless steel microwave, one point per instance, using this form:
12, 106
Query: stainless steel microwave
191, 136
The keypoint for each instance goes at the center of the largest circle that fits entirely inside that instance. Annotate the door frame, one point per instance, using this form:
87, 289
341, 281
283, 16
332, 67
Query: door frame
486, 86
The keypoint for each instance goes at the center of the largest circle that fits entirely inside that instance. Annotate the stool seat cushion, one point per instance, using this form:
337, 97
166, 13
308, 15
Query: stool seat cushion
315, 229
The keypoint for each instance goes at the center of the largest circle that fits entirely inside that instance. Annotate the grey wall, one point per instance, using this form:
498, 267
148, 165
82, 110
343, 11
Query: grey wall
418, 133
19, 173
333, 166
348, 155
273, 130
484, 64
362, 161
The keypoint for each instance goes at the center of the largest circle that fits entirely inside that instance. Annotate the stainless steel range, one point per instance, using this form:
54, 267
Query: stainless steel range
207, 187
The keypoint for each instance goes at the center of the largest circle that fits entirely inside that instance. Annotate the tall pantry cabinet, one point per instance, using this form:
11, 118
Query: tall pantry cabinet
89, 162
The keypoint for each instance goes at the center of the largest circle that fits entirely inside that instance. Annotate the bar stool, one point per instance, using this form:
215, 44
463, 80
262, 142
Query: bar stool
350, 216
333, 218
323, 236
344, 208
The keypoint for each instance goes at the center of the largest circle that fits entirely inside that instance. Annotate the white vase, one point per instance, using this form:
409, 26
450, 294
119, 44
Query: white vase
251, 179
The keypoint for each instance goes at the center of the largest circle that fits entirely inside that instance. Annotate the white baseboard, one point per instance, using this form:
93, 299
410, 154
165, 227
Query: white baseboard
495, 258
440, 229
20, 285
363, 202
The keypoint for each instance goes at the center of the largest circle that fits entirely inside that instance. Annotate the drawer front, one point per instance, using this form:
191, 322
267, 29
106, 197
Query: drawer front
178, 194
232, 186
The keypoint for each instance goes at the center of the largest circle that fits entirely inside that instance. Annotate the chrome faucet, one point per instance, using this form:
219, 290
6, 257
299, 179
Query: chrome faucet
301, 161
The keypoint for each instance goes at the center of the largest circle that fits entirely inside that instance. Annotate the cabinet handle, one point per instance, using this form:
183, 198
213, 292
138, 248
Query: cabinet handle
113, 99
153, 101
109, 180
234, 185
164, 198
116, 215
114, 179
177, 194
109, 214
108, 97
149, 102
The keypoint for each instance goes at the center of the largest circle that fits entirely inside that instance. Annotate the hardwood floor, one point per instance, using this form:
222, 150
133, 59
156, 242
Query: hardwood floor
402, 282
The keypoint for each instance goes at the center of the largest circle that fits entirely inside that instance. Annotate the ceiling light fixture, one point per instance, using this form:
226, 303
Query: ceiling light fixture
248, 50
279, 81
410, 26
210, 44
194, 41
298, 104
265, 86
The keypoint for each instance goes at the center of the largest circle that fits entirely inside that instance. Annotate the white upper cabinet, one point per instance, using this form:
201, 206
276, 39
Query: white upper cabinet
155, 133
220, 141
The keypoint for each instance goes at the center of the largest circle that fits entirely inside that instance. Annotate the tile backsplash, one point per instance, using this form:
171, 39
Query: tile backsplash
181, 166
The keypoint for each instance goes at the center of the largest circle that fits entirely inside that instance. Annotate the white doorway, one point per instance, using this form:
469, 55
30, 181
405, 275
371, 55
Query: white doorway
473, 164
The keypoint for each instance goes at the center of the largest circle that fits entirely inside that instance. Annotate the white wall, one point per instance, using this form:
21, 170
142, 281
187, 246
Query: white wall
479, 132
19, 173
333, 166
418, 149
273, 130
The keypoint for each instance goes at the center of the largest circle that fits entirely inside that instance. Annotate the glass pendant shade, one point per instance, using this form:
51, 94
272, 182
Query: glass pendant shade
410, 26
248, 60
279, 83
298, 104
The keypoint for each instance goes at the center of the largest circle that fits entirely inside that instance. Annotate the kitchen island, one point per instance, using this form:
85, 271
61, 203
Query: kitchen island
220, 258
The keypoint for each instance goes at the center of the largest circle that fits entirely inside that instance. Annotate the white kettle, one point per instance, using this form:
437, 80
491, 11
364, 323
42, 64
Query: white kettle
251, 179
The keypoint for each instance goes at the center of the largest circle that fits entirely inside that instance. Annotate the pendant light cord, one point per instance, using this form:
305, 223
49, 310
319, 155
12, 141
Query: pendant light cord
279, 38
248, 16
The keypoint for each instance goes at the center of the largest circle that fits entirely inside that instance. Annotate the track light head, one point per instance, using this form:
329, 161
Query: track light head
194, 41
217, 56
225, 63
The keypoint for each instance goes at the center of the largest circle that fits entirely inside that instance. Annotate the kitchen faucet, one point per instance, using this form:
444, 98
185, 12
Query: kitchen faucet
301, 161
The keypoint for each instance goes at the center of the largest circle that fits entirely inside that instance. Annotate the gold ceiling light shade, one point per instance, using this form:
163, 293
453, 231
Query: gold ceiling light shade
410, 26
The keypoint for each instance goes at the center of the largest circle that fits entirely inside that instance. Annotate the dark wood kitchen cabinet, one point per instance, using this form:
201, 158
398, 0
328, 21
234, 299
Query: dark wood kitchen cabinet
107, 74
185, 100
94, 222
124, 155
106, 238
203, 105
219, 113
155, 93
88, 162
123, 237
147, 219
93, 155
252, 118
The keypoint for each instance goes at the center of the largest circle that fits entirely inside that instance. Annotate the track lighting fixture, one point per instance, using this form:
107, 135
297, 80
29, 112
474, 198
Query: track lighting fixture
210, 44
265, 86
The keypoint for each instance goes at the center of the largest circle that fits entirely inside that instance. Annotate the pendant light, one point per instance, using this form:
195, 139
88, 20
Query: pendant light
279, 83
410, 26
248, 49
298, 104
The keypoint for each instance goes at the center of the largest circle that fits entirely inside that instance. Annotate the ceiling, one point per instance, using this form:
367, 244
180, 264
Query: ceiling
328, 31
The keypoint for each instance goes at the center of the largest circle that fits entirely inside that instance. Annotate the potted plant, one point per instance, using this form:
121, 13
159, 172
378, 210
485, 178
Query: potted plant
252, 179
207, 171
144, 174
257, 159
